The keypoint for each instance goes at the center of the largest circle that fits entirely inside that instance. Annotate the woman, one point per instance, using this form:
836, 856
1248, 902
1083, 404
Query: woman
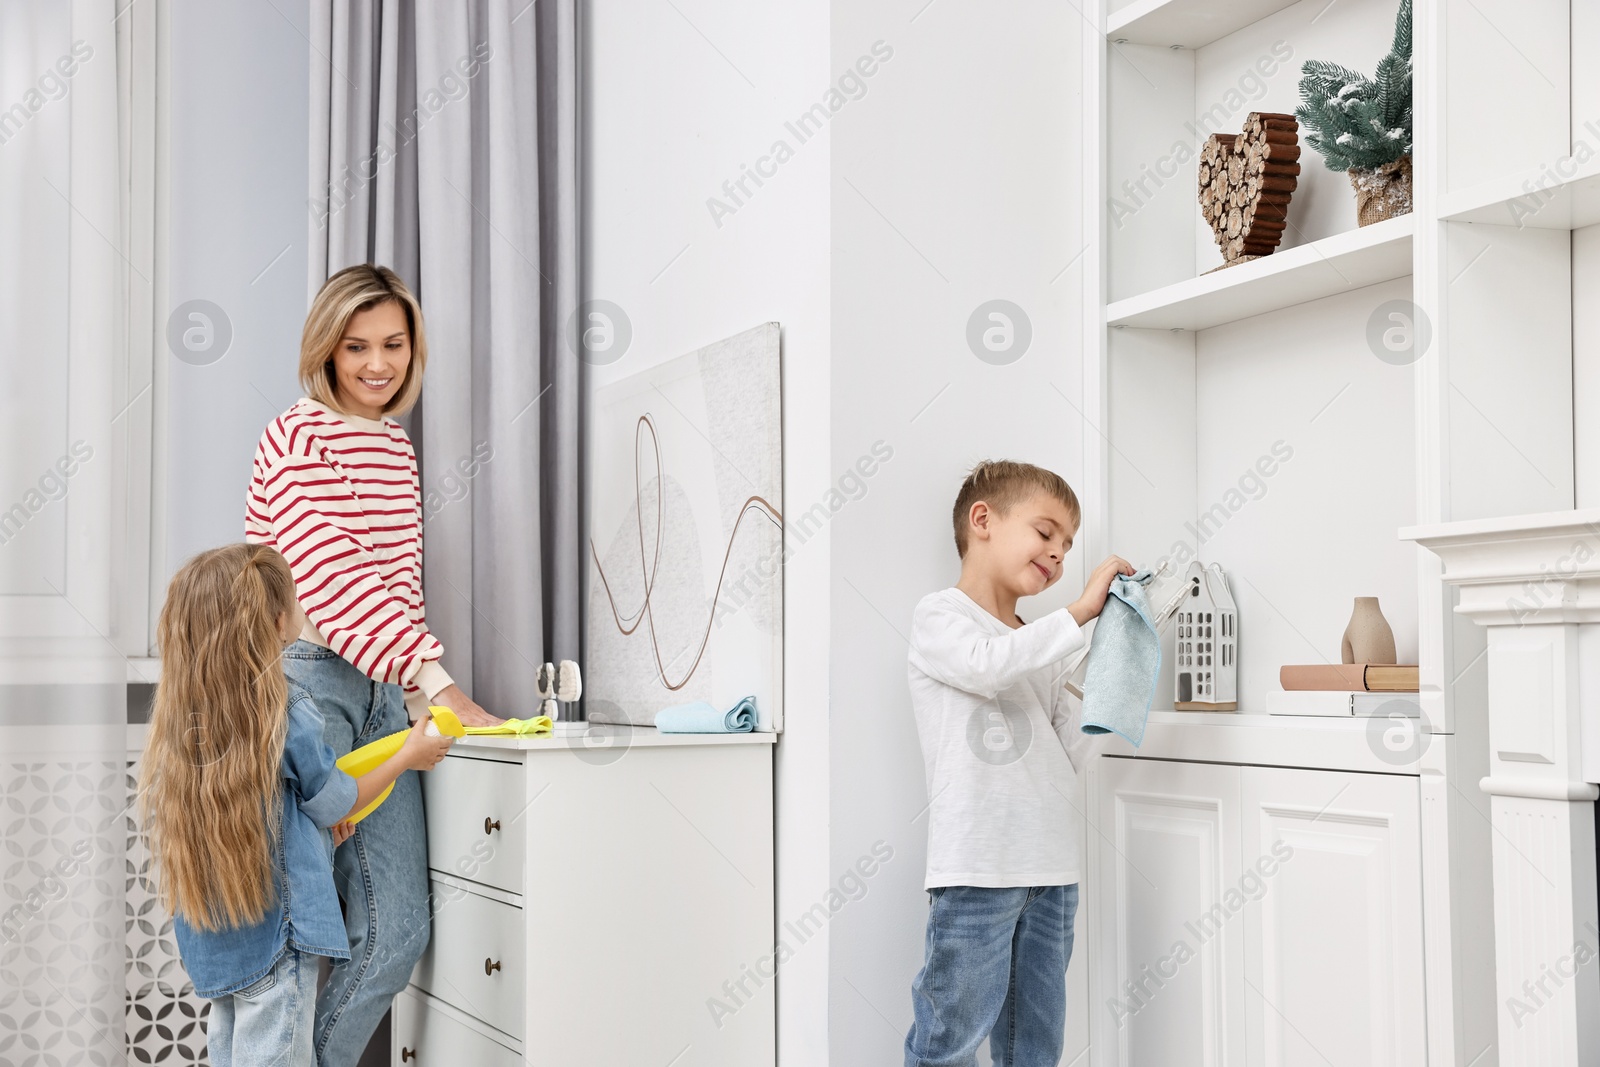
335, 489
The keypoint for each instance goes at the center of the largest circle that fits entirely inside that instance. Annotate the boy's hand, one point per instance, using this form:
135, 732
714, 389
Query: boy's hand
342, 832
1088, 605
421, 752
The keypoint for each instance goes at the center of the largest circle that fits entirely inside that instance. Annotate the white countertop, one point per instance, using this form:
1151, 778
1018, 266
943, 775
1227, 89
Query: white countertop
1318, 742
620, 736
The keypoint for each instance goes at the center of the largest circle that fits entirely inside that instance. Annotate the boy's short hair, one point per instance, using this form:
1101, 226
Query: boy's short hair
1003, 484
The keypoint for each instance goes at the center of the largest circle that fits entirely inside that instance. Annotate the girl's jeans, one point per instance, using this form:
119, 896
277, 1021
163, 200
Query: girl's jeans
381, 871
996, 967
267, 1023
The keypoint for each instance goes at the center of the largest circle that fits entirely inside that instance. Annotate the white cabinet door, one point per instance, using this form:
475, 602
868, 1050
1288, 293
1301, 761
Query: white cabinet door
476, 960
1170, 948
475, 810
1333, 954
425, 1036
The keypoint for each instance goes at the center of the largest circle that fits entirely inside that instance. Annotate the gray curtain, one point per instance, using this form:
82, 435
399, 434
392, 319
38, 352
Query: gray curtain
444, 145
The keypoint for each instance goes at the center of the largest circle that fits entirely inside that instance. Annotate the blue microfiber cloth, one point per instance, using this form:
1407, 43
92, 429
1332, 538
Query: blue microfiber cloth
1124, 662
699, 717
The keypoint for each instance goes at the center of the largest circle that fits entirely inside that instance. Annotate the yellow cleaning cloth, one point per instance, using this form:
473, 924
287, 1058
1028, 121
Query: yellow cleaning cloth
538, 726
365, 759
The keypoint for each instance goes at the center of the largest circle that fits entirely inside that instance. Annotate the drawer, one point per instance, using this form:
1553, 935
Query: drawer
424, 1036
476, 958
477, 820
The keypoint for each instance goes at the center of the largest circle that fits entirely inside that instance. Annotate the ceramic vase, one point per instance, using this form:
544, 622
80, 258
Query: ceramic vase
1368, 638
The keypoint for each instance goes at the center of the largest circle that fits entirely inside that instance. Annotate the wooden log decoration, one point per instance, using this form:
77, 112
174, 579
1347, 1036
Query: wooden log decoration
1246, 180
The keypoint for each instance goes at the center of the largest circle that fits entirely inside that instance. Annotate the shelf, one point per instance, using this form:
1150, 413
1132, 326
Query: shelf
1190, 23
1337, 264
1520, 201
1260, 740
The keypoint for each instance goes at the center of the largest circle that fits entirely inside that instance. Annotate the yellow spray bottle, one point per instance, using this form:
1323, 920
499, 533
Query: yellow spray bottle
369, 756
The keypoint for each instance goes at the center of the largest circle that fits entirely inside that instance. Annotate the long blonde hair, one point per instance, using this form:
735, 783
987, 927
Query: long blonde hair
211, 785
354, 289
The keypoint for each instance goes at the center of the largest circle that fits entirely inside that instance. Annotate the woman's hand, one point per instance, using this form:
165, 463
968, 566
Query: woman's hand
421, 752
1088, 605
342, 832
469, 713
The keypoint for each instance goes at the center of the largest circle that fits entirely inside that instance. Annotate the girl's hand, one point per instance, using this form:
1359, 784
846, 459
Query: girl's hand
469, 713
417, 752
342, 832
421, 752
1088, 605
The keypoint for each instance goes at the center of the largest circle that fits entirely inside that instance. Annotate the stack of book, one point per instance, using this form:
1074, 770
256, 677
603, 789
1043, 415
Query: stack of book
1346, 689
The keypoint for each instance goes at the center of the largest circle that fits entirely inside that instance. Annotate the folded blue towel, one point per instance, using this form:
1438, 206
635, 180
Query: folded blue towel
698, 717
1124, 662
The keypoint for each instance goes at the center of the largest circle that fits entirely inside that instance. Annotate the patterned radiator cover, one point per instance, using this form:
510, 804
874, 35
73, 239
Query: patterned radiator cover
81, 928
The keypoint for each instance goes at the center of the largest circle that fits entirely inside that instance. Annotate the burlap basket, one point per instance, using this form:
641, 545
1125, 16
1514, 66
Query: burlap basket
1383, 192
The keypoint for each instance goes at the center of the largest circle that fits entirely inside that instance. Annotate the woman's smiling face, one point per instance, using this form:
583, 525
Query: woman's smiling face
370, 361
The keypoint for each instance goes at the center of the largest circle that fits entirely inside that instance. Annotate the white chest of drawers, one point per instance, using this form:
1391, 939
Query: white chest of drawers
591, 903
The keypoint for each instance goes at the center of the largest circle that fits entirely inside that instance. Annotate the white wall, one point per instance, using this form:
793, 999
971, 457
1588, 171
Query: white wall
1586, 365
963, 142
952, 183
678, 98
1166, 103
1357, 34
239, 111
943, 179
1339, 422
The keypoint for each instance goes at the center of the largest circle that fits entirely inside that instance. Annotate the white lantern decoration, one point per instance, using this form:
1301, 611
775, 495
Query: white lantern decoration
1206, 652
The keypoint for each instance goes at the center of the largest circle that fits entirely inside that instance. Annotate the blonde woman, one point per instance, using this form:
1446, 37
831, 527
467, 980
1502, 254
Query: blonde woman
238, 792
335, 489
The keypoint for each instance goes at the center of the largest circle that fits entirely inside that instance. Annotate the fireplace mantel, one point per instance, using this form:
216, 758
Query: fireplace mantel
1533, 581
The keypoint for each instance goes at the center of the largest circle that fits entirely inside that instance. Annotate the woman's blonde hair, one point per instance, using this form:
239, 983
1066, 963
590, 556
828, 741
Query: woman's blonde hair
211, 786
354, 289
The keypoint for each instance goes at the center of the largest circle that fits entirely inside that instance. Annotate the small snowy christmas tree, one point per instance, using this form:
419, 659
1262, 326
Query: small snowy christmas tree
1363, 125
1356, 122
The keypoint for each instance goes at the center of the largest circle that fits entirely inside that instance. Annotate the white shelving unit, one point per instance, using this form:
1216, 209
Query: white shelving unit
1189, 377
1189, 23
1545, 198
1336, 264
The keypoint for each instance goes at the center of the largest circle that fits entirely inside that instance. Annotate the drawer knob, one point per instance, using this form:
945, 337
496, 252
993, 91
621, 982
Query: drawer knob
490, 825
490, 966
407, 1054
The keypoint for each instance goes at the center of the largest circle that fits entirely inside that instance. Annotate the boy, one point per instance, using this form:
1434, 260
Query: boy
1001, 750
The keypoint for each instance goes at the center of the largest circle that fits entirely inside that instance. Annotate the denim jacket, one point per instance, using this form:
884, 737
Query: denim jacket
316, 794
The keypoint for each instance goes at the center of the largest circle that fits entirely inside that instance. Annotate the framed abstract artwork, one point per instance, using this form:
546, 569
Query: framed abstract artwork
686, 548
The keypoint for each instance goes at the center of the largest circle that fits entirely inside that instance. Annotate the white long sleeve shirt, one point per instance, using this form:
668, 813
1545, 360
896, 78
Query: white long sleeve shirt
1000, 743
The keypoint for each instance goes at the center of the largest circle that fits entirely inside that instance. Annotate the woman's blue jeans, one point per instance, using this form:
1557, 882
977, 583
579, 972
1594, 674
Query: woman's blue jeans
996, 967
381, 871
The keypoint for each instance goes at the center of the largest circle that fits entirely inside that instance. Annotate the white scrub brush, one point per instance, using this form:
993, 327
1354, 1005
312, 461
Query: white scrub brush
545, 682
563, 683
569, 684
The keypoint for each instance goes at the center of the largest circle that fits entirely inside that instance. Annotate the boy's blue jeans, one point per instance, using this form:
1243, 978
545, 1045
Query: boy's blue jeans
381, 871
268, 1022
996, 967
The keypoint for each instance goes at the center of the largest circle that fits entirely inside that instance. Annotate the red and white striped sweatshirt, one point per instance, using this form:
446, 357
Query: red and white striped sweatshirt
340, 497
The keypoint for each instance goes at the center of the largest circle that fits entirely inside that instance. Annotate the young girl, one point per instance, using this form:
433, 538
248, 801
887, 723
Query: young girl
238, 792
